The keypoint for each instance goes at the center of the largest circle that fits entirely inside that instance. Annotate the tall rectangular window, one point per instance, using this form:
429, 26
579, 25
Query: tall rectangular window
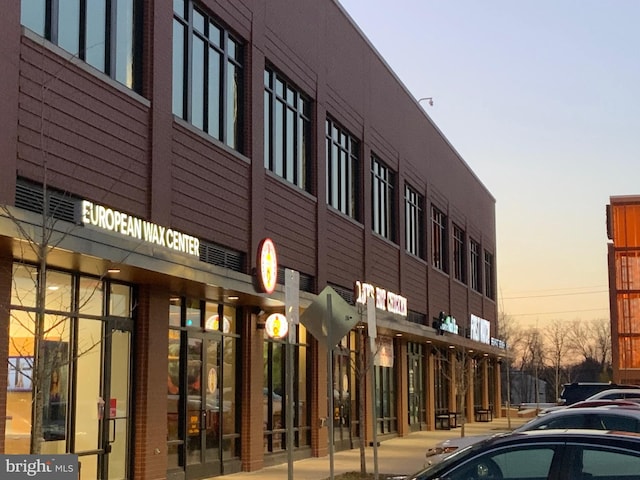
489, 276
207, 74
383, 199
459, 255
474, 265
102, 33
287, 130
414, 223
439, 240
343, 165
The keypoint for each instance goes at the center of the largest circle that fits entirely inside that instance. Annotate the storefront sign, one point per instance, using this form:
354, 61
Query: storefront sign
276, 326
388, 301
496, 342
449, 324
480, 330
111, 220
267, 266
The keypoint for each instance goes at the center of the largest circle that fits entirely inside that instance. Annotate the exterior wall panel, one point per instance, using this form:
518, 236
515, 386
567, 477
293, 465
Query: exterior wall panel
414, 286
210, 189
344, 242
92, 134
382, 265
292, 225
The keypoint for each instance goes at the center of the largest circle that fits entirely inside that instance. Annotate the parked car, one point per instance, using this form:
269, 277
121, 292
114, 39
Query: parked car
602, 402
597, 418
577, 391
551, 455
617, 394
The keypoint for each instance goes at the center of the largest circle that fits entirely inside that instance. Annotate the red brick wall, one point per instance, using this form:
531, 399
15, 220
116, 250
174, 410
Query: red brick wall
5, 300
150, 390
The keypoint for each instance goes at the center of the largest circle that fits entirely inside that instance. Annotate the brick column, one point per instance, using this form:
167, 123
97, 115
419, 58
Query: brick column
252, 423
150, 383
6, 274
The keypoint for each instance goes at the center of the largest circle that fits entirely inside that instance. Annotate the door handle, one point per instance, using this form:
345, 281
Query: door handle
112, 432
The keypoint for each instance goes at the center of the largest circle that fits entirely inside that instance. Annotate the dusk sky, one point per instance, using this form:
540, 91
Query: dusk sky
541, 98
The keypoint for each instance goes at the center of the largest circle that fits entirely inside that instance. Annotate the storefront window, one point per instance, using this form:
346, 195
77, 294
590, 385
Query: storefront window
74, 377
415, 384
203, 429
274, 389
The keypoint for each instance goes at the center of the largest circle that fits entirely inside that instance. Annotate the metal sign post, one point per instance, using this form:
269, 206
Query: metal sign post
371, 321
330, 390
291, 304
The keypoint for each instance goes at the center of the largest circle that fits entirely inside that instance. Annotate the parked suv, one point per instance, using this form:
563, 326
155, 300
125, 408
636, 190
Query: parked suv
577, 391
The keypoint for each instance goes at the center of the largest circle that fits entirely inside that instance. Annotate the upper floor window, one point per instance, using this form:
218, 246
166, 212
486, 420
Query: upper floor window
459, 255
382, 199
207, 74
287, 130
343, 163
489, 275
439, 240
414, 223
101, 33
474, 265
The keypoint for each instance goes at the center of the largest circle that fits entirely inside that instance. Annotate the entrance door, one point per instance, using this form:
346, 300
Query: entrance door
415, 392
115, 436
102, 421
203, 414
342, 401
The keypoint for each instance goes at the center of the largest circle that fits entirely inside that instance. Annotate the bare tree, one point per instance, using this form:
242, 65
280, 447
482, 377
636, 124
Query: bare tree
533, 358
555, 338
591, 340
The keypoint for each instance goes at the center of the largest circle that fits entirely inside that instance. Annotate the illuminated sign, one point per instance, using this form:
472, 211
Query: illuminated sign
276, 326
496, 342
480, 330
449, 324
111, 220
389, 301
267, 266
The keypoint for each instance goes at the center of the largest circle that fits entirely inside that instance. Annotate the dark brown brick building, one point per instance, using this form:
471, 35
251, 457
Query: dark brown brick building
148, 149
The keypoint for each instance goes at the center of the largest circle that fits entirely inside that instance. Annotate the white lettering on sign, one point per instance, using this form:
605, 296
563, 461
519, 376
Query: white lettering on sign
118, 222
384, 300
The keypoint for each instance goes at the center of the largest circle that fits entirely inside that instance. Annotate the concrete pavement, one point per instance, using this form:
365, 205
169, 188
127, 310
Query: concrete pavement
399, 455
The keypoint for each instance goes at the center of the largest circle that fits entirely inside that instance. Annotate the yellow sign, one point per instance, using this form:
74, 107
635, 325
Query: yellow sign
267, 266
276, 326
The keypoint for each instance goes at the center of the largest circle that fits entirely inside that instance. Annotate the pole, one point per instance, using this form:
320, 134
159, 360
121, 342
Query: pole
292, 286
508, 364
290, 404
374, 413
330, 387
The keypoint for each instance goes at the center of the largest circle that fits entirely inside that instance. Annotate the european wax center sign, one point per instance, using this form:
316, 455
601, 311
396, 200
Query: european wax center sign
112, 220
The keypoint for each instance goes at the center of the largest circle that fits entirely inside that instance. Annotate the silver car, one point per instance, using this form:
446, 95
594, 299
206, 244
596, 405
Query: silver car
614, 418
543, 454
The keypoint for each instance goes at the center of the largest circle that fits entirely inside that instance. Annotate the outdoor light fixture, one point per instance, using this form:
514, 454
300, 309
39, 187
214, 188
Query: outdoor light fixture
428, 99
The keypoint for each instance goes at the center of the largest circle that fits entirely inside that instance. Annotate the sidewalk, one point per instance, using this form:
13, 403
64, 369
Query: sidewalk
399, 455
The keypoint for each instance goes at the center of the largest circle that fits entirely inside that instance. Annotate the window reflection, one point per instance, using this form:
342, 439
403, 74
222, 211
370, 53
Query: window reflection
207, 75
92, 31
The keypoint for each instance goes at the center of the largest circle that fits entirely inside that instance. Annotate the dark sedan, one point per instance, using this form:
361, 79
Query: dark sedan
543, 455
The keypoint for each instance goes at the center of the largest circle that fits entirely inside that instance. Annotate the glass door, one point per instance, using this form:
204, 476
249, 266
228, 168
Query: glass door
342, 400
203, 414
116, 412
